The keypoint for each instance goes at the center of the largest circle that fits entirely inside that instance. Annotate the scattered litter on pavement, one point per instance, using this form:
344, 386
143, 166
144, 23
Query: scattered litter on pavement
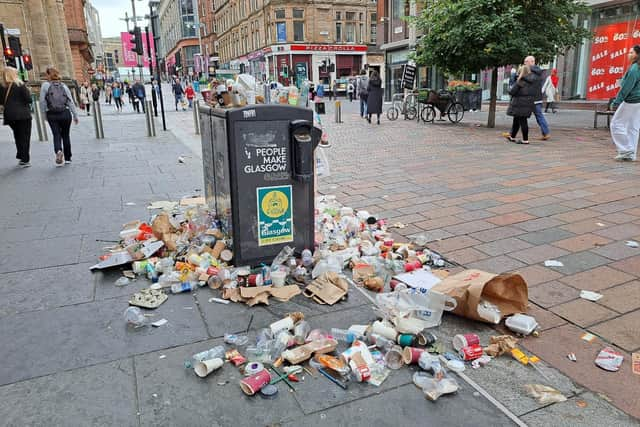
632, 244
544, 394
599, 224
581, 403
609, 359
553, 263
160, 322
134, 317
181, 159
130, 204
162, 204
521, 324
122, 281
588, 337
162, 356
635, 363
219, 300
572, 357
591, 296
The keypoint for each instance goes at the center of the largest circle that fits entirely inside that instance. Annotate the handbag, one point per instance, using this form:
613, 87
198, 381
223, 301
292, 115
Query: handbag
6, 96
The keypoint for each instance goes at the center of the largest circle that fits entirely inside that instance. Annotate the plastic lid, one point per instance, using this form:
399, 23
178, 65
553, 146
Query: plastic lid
269, 391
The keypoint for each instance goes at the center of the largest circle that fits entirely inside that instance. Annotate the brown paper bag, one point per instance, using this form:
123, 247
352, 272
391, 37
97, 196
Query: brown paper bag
507, 291
163, 230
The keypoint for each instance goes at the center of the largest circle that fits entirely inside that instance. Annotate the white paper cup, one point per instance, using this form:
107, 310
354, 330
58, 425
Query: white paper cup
278, 278
205, 367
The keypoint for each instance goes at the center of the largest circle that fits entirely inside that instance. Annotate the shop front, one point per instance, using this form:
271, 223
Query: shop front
426, 76
592, 71
293, 64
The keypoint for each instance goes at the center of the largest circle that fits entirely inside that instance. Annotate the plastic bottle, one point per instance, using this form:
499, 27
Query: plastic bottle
212, 353
307, 258
182, 287
300, 331
151, 273
343, 335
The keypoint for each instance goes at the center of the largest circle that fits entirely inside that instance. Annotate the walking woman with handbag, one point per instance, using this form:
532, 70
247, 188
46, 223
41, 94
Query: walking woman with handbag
16, 99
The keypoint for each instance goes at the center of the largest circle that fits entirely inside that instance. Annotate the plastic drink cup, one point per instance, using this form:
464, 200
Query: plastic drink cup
252, 384
278, 278
205, 367
411, 355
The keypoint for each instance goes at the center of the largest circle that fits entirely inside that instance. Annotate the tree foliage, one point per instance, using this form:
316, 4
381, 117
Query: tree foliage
471, 35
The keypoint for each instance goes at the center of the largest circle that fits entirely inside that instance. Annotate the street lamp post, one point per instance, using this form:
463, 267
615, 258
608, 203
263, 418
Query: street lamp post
154, 29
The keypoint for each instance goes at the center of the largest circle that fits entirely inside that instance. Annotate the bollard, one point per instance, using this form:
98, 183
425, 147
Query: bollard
97, 120
148, 114
338, 112
40, 126
196, 116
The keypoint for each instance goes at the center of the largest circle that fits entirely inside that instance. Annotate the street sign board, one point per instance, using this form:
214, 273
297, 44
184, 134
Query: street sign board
408, 76
12, 31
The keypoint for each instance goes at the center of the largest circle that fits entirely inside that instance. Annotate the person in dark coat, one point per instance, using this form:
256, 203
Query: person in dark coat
16, 98
374, 96
522, 104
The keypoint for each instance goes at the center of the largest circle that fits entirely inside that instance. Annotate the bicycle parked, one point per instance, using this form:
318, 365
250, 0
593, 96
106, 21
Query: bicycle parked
407, 106
446, 103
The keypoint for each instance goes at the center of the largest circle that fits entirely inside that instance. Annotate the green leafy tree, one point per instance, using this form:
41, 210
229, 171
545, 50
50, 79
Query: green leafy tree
470, 35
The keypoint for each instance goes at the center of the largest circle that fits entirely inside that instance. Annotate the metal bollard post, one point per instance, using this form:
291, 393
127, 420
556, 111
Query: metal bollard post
196, 116
97, 120
40, 126
338, 112
148, 113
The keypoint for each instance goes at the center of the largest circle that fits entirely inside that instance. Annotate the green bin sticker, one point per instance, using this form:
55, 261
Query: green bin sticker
275, 215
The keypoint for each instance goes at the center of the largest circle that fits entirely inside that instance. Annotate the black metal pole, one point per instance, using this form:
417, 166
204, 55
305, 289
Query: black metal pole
153, 92
153, 28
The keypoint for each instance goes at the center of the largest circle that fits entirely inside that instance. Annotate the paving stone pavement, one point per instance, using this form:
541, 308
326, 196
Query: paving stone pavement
69, 359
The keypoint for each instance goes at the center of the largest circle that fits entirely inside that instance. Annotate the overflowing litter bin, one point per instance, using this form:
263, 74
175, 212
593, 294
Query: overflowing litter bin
259, 177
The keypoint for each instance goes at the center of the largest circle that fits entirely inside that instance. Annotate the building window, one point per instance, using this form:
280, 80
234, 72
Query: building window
298, 31
298, 13
338, 16
350, 16
281, 32
280, 14
350, 32
373, 31
338, 32
361, 16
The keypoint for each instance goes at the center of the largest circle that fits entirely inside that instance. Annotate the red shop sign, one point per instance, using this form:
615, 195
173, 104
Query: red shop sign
329, 47
608, 61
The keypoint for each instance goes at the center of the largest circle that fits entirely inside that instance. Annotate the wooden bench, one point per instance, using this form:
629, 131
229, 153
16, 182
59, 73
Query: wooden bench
608, 112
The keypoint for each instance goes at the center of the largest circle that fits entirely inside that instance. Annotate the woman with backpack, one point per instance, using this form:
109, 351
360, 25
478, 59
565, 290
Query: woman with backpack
56, 102
16, 99
117, 96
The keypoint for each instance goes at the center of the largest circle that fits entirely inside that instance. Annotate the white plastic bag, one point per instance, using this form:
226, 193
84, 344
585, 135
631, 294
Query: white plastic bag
322, 163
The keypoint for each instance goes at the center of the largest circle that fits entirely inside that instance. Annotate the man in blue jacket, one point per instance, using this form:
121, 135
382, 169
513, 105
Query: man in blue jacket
539, 81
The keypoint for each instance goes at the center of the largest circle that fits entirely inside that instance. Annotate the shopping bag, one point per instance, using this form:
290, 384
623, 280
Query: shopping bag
507, 291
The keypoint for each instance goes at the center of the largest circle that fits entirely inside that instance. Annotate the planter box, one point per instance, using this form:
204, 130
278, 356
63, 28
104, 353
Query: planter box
470, 99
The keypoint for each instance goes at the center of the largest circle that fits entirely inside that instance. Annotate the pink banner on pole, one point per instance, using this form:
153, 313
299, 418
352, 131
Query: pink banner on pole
129, 57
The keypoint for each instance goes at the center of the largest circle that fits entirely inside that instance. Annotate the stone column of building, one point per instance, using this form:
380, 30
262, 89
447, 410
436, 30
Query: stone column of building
64, 50
40, 43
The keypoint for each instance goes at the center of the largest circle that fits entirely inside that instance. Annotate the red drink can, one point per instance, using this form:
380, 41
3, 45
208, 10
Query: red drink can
470, 352
255, 280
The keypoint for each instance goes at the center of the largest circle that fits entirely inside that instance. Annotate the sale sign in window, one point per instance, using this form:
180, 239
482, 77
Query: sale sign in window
609, 58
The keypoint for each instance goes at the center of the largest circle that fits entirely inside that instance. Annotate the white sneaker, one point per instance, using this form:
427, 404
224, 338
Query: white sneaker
624, 156
24, 164
59, 158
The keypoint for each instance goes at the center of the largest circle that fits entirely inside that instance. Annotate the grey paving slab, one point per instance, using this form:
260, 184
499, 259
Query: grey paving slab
98, 395
70, 337
580, 261
171, 395
231, 318
504, 378
546, 236
616, 251
45, 288
41, 253
585, 410
407, 406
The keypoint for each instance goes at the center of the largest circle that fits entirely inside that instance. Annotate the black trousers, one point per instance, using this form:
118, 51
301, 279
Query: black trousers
22, 136
60, 124
520, 123
118, 102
